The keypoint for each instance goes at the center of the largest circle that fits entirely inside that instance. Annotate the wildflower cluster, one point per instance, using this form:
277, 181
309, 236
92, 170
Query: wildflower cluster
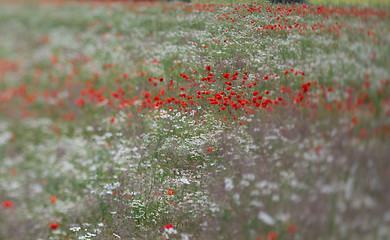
204, 121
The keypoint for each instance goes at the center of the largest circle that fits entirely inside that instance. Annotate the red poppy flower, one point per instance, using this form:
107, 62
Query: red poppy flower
354, 120
80, 102
7, 204
54, 225
168, 226
291, 229
255, 93
272, 236
208, 68
115, 95
171, 192
53, 59
53, 199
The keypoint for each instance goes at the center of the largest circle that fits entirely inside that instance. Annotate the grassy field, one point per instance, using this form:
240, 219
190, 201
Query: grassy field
194, 121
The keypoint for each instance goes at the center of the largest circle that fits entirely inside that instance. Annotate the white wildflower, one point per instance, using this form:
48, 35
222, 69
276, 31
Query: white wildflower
266, 218
184, 180
116, 235
228, 184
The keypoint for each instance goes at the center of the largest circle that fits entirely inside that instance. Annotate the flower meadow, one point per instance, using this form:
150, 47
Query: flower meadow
150, 120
